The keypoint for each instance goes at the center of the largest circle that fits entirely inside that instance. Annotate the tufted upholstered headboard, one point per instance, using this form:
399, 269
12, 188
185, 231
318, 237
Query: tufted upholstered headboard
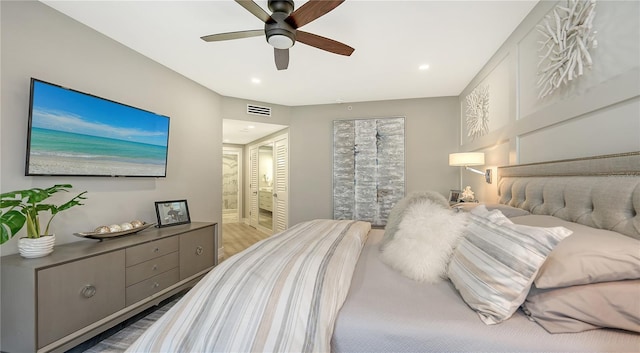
601, 192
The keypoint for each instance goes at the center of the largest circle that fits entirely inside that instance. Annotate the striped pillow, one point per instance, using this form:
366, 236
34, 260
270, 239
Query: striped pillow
496, 262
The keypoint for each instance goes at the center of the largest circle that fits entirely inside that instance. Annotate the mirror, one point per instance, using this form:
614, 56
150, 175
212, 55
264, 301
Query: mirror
265, 186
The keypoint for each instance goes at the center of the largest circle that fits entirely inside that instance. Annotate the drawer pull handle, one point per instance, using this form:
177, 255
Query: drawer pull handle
156, 285
156, 250
199, 250
88, 291
155, 267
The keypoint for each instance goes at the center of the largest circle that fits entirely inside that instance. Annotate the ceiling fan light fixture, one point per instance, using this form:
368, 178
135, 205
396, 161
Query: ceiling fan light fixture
280, 41
281, 27
285, 6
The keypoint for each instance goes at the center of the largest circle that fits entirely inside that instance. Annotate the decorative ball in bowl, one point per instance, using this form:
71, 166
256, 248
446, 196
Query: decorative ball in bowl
116, 230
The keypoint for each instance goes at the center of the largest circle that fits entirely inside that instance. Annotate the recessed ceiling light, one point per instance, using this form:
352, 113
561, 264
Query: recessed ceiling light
424, 67
251, 126
255, 80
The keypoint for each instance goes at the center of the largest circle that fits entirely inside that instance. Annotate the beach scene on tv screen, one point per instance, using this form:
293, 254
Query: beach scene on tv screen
78, 134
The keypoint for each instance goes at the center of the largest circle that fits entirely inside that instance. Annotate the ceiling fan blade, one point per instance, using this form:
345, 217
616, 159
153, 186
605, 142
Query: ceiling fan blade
282, 58
233, 35
310, 11
323, 43
255, 9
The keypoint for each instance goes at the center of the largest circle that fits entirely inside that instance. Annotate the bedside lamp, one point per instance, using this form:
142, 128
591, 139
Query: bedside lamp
470, 158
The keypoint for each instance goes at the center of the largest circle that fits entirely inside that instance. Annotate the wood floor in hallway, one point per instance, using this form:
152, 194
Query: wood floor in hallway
239, 236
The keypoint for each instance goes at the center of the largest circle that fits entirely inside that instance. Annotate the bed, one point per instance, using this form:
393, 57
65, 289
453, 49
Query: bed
330, 289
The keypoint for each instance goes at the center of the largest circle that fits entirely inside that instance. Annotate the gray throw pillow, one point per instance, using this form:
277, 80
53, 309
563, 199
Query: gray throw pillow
590, 255
587, 307
496, 262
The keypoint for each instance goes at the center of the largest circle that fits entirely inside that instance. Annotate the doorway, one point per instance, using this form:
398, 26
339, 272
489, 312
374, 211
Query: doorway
268, 184
239, 136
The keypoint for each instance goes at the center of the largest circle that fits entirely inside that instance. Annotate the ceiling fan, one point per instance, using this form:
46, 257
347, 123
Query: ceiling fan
281, 27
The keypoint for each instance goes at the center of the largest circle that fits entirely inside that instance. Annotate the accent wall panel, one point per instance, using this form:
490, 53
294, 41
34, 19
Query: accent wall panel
368, 168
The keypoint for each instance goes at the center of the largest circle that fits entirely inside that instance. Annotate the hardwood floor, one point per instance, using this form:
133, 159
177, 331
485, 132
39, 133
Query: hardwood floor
239, 236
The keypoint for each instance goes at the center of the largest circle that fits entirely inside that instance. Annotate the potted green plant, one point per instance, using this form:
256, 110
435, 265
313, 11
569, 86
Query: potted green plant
21, 207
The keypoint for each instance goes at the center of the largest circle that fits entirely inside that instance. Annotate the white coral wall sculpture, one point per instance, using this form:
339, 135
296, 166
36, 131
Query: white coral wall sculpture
567, 37
478, 112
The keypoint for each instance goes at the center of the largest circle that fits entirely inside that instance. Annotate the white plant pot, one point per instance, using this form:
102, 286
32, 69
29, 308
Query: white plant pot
36, 247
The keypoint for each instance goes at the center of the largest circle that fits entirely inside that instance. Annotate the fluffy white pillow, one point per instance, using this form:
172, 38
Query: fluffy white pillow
397, 212
424, 241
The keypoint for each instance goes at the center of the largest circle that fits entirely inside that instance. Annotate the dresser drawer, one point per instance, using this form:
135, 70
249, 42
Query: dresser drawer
142, 271
197, 251
76, 294
151, 286
148, 251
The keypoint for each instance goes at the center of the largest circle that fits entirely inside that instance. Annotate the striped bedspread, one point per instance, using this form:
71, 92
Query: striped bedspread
280, 295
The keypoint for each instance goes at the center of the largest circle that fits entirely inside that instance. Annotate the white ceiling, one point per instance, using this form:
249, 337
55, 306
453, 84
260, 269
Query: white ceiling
242, 132
391, 39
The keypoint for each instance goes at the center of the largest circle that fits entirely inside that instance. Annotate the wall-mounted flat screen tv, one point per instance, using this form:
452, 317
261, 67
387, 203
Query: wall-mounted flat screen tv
78, 134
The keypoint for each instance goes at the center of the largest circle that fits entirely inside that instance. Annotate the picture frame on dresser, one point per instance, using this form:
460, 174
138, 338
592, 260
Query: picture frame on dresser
171, 213
454, 196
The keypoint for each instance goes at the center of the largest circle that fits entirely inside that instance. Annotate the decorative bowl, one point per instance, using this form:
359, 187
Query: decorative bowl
99, 235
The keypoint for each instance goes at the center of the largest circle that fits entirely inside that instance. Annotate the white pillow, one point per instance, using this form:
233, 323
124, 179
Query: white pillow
495, 216
496, 262
424, 241
399, 209
506, 210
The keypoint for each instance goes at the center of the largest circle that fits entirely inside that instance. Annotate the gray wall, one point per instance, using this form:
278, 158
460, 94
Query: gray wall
430, 135
598, 113
38, 41
431, 126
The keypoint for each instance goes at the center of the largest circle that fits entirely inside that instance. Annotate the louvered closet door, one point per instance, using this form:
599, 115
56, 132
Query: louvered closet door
253, 198
281, 182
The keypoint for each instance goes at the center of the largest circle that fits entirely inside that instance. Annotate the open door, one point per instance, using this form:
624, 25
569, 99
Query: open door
253, 187
281, 184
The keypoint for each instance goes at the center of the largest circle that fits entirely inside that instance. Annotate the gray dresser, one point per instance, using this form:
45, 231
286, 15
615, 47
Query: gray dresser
56, 302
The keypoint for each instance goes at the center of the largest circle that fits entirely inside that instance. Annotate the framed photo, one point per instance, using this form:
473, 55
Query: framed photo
171, 213
454, 196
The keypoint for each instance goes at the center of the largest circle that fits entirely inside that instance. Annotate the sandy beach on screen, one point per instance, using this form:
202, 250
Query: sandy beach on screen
81, 166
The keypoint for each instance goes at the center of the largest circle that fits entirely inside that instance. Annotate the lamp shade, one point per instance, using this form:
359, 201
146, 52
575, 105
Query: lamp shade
466, 158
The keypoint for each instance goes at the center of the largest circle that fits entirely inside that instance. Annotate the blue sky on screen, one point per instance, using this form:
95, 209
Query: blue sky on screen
65, 110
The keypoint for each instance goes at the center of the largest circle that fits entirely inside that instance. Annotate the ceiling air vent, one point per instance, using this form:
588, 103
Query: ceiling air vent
258, 110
